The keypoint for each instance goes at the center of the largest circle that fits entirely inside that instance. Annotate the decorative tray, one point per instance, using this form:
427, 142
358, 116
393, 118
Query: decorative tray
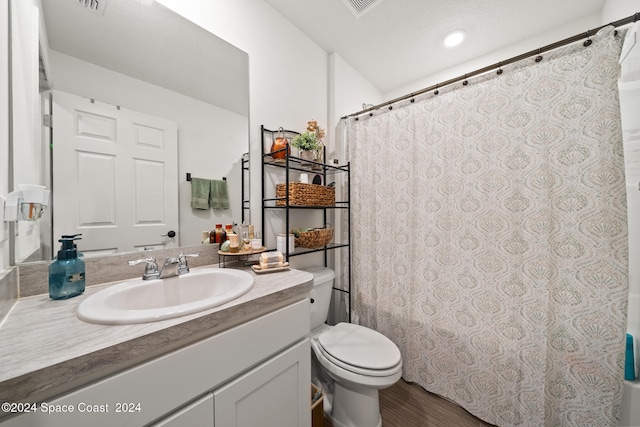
259, 270
251, 252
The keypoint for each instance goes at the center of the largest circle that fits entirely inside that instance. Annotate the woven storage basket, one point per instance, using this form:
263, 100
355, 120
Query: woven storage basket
306, 194
314, 239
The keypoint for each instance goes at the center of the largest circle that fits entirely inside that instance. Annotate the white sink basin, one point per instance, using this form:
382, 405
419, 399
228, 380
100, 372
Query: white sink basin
139, 301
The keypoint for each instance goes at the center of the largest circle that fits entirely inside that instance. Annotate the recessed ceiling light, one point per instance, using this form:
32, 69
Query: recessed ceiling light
454, 38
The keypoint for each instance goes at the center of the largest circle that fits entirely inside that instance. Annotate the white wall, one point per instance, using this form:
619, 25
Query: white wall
614, 10
211, 140
348, 90
4, 128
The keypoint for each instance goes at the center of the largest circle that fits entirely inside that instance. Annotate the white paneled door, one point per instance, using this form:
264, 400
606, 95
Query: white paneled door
115, 174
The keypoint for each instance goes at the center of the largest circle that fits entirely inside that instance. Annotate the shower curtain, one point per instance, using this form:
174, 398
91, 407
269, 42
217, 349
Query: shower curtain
490, 238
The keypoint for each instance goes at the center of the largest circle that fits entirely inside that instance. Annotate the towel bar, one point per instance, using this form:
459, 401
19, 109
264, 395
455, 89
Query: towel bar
224, 178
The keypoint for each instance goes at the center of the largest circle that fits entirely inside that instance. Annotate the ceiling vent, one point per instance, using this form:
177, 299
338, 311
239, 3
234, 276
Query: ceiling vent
96, 6
360, 7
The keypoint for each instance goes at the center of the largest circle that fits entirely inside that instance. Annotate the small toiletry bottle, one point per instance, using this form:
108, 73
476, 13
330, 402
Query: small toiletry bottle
251, 231
217, 234
256, 242
228, 229
66, 273
246, 241
234, 246
281, 243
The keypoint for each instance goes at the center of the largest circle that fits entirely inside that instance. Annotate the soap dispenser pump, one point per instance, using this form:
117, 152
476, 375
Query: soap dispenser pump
66, 273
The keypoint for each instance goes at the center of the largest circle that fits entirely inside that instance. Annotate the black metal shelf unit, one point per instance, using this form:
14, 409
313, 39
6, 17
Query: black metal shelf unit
293, 163
245, 178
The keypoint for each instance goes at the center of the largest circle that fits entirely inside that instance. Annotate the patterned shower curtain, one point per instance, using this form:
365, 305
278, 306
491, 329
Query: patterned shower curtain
490, 238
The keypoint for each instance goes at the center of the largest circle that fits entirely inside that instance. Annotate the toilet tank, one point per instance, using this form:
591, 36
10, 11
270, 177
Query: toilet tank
320, 294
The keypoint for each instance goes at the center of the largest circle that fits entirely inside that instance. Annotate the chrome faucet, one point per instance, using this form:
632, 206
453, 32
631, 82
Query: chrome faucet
151, 269
168, 262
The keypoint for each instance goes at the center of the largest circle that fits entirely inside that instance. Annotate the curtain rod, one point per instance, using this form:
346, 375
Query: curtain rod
624, 21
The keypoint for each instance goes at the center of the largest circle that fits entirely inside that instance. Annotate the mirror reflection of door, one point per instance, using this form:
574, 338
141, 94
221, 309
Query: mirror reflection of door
119, 169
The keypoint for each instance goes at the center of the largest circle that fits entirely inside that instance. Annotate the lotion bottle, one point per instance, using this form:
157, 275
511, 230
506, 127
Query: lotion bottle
66, 273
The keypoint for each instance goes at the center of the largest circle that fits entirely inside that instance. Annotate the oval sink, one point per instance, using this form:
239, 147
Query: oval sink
139, 301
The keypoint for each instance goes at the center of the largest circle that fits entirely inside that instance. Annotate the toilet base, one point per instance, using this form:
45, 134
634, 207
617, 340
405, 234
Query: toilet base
355, 408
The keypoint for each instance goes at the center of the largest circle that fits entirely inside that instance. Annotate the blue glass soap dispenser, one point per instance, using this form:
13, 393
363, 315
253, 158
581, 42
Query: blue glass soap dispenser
66, 273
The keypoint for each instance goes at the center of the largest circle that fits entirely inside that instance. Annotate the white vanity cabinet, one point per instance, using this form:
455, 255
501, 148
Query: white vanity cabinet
256, 373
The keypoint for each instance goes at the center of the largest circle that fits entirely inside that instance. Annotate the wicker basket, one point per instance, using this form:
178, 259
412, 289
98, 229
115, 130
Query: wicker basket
306, 194
315, 238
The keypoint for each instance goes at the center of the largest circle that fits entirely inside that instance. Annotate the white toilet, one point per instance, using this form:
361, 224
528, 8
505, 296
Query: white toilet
359, 360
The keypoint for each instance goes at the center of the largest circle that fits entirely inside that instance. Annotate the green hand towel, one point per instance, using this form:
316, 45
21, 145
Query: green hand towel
218, 196
200, 192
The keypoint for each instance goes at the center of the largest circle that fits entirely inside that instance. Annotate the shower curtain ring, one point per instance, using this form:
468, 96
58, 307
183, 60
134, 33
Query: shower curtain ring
588, 41
465, 82
539, 57
499, 68
435, 92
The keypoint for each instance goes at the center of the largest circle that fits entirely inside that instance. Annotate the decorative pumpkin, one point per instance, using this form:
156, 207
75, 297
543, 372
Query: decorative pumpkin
280, 143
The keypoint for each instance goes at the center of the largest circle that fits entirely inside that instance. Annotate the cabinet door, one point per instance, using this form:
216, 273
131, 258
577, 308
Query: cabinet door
197, 414
276, 393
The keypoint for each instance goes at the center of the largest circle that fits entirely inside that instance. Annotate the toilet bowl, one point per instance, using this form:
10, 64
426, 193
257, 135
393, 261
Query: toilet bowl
358, 360
361, 361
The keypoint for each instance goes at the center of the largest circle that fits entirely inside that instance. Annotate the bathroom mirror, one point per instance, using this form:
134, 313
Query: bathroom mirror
140, 56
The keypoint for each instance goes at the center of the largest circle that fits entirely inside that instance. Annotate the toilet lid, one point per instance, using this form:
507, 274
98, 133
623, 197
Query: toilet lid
358, 346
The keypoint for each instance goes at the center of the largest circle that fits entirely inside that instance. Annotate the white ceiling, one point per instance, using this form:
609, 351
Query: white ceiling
147, 41
397, 42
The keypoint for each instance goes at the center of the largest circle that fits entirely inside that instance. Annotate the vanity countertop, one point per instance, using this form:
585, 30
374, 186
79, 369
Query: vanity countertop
46, 350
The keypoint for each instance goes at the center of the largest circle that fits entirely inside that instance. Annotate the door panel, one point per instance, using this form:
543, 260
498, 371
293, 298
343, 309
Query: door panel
275, 393
96, 197
149, 207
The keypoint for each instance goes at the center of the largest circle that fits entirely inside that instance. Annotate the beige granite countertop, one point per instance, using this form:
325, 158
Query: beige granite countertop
45, 350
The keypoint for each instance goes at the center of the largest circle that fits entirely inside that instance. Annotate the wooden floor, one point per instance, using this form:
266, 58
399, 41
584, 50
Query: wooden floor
409, 405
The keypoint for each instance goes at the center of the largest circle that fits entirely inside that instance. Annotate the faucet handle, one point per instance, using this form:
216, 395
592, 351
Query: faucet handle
183, 256
183, 266
150, 270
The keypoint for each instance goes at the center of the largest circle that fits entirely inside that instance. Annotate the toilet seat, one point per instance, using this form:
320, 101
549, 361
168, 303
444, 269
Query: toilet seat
360, 350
